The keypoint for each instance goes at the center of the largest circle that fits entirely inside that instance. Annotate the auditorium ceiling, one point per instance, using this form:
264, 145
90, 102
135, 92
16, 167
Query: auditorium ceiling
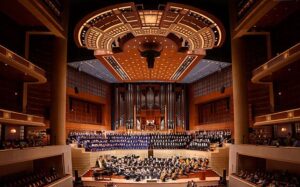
96, 69
137, 44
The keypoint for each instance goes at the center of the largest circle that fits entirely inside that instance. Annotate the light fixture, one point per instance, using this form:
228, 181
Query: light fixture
13, 131
283, 129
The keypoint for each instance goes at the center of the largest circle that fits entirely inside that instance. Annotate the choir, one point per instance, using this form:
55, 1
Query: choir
98, 141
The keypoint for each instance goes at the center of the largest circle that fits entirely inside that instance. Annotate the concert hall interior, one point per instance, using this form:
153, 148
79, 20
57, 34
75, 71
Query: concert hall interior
149, 93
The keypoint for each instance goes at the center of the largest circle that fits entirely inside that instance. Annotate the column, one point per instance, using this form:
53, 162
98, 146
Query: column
59, 81
240, 98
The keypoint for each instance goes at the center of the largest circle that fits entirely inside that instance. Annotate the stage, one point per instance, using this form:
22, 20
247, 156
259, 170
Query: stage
211, 179
82, 161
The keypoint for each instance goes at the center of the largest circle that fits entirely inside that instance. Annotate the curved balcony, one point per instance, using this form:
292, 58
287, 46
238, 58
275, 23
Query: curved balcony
263, 73
278, 117
18, 68
16, 118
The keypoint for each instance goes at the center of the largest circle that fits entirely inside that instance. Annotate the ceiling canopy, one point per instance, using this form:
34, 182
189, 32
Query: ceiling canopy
149, 45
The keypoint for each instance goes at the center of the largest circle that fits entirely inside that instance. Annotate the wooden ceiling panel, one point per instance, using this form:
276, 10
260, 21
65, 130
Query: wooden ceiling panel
107, 32
136, 66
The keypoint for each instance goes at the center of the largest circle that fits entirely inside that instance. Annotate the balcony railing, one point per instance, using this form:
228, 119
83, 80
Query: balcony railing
283, 59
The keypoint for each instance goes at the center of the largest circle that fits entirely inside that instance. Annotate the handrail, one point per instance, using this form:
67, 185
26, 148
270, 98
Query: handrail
278, 117
16, 61
17, 118
283, 59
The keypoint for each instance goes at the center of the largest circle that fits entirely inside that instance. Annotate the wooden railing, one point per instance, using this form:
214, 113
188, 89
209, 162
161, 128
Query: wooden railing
21, 64
283, 59
278, 117
16, 118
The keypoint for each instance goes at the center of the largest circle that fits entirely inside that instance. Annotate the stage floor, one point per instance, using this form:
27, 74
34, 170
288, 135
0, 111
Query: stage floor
211, 179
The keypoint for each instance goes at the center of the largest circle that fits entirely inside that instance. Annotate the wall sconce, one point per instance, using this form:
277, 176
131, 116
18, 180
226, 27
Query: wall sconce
283, 129
13, 131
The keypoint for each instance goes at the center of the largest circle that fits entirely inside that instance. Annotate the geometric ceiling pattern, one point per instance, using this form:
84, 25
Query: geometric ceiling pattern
203, 69
96, 69
149, 45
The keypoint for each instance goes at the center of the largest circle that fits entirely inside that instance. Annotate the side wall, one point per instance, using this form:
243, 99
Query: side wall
89, 91
216, 87
207, 90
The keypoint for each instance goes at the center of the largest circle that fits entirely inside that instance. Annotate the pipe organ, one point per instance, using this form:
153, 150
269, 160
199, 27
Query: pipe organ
151, 107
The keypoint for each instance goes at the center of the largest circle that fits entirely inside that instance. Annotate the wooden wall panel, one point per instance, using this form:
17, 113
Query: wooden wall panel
216, 111
83, 82
214, 126
81, 111
258, 99
194, 113
71, 126
207, 90
213, 83
89, 91
39, 96
39, 100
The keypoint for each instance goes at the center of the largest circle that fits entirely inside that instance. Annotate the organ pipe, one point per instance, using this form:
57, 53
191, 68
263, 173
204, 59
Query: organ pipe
147, 102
